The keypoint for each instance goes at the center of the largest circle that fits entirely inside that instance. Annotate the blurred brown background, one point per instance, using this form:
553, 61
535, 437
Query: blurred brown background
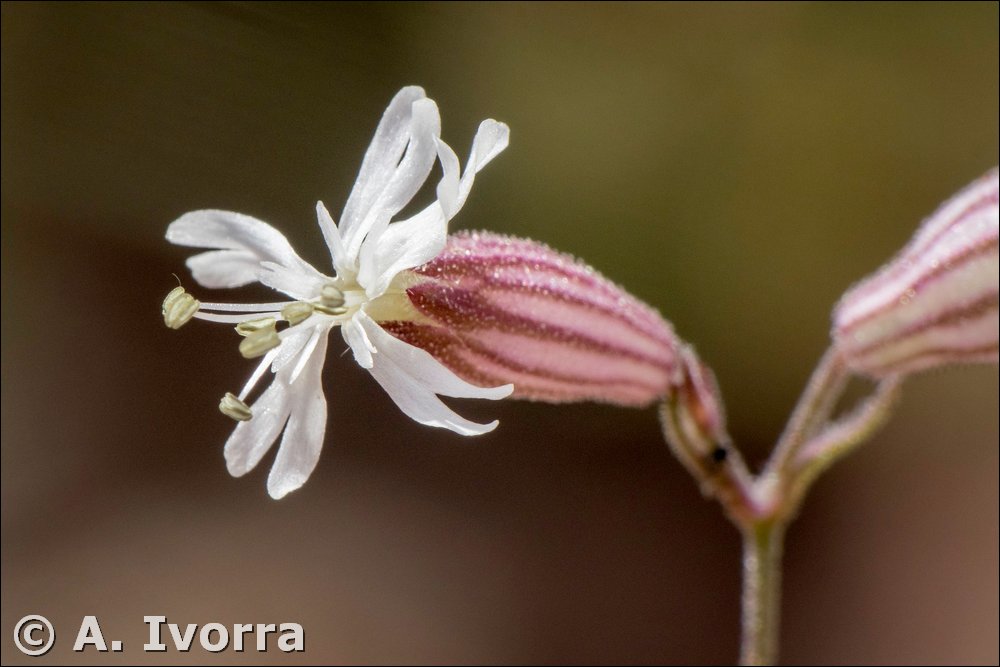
737, 166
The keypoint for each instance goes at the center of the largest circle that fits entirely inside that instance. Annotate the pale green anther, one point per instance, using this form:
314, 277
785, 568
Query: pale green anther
259, 342
326, 310
250, 326
233, 407
296, 312
178, 308
330, 296
172, 297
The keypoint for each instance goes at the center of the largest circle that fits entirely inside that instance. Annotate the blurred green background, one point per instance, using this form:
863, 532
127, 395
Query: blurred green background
736, 165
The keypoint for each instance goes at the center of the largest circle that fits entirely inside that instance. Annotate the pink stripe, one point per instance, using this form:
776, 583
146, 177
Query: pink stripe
501, 310
919, 247
945, 267
924, 359
462, 310
481, 365
494, 260
962, 315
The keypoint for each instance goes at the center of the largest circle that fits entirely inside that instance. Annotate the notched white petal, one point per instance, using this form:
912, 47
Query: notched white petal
332, 237
224, 269
412, 378
303, 439
250, 440
404, 245
419, 403
424, 368
233, 231
357, 339
407, 177
297, 284
378, 166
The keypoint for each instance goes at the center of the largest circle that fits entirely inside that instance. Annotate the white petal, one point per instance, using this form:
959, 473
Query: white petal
411, 377
332, 236
307, 350
423, 367
232, 231
294, 283
292, 342
447, 189
224, 268
381, 159
408, 177
404, 245
491, 139
357, 339
303, 439
419, 239
237, 232
250, 440
258, 373
419, 403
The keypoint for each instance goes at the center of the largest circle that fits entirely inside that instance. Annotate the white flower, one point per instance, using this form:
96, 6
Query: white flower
372, 258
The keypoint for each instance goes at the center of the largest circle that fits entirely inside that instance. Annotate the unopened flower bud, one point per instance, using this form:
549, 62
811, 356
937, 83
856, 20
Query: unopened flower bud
498, 310
936, 302
698, 406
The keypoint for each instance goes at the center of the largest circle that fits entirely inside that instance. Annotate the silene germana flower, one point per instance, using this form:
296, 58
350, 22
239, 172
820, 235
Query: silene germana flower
936, 302
474, 316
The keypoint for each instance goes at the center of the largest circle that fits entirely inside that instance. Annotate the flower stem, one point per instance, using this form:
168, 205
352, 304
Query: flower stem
762, 548
818, 400
762, 506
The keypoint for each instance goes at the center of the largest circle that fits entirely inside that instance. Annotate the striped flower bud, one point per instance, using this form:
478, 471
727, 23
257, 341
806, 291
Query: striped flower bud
698, 406
499, 310
936, 302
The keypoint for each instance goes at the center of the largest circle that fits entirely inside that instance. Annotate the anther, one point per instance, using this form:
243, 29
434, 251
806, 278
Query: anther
179, 307
256, 344
250, 326
328, 310
296, 312
330, 296
233, 407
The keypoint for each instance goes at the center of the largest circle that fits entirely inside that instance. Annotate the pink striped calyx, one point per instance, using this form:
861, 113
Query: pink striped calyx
699, 408
936, 302
497, 309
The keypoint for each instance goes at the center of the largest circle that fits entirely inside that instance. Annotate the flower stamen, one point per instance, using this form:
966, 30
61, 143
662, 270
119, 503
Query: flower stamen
297, 311
179, 307
248, 327
234, 408
327, 310
257, 343
330, 296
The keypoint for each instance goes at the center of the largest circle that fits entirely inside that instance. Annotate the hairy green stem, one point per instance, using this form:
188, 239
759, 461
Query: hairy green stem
762, 506
825, 387
762, 547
